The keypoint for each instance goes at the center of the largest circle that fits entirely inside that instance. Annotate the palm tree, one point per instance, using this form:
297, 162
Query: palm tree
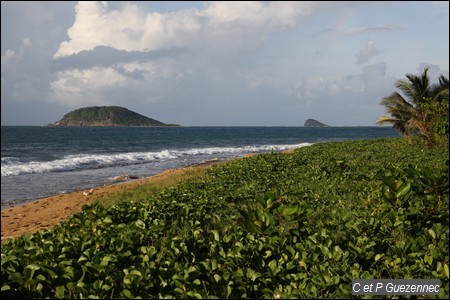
416, 113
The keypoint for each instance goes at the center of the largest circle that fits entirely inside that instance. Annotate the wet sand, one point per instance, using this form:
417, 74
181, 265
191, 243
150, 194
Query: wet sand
47, 212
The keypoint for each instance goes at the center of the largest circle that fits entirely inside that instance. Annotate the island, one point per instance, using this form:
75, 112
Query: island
107, 116
314, 123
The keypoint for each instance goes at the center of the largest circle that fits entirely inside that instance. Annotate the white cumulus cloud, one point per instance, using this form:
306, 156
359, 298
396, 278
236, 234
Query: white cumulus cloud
134, 29
367, 52
85, 85
169, 48
10, 55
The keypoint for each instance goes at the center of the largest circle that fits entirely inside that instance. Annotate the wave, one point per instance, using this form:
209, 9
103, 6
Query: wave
12, 166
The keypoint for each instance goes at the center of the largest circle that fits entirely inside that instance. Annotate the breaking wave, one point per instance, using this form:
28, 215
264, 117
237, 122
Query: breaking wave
12, 166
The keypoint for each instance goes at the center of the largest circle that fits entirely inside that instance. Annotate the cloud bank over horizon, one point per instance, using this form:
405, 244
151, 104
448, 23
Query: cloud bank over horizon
216, 63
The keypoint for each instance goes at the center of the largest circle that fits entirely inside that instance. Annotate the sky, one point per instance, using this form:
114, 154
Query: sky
216, 63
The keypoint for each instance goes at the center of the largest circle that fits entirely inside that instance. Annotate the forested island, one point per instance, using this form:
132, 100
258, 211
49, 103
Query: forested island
106, 116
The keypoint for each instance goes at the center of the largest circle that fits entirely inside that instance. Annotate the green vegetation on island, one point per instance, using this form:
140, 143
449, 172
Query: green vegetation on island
106, 116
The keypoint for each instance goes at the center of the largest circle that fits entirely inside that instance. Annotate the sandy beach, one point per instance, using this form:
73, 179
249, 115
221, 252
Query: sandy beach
50, 211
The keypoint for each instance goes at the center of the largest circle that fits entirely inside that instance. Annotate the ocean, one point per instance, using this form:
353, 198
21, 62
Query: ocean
44, 161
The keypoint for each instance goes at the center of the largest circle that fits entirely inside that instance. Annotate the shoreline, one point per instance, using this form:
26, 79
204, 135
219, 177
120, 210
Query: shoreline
47, 212
121, 179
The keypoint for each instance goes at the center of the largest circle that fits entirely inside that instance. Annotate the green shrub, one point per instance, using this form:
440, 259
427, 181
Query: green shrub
299, 225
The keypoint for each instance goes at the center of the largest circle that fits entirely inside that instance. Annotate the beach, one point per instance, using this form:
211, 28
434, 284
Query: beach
274, 216
40, 162
47, 173
50, 211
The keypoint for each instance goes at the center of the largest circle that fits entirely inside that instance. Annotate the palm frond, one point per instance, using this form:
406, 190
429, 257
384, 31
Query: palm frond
419, 105
443, 81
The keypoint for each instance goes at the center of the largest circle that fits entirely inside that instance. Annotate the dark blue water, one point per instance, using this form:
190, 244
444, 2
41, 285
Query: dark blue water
43, 161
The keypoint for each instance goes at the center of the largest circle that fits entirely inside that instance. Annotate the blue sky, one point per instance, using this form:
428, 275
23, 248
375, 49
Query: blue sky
216, 63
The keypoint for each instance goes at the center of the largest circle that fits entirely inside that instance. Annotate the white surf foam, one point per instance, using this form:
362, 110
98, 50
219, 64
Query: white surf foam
12, 167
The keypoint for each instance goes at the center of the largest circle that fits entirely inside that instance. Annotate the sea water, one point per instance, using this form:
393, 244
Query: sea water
43, 161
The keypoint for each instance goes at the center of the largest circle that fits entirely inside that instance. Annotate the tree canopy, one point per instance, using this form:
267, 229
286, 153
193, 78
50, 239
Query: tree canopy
420, 109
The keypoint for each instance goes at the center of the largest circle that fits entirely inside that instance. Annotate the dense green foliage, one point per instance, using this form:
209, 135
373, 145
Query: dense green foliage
106, 116
423, 109
302, 224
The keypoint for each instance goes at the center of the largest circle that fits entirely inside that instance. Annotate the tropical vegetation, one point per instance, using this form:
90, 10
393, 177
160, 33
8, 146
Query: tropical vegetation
274, 225
422, 109
106, 116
